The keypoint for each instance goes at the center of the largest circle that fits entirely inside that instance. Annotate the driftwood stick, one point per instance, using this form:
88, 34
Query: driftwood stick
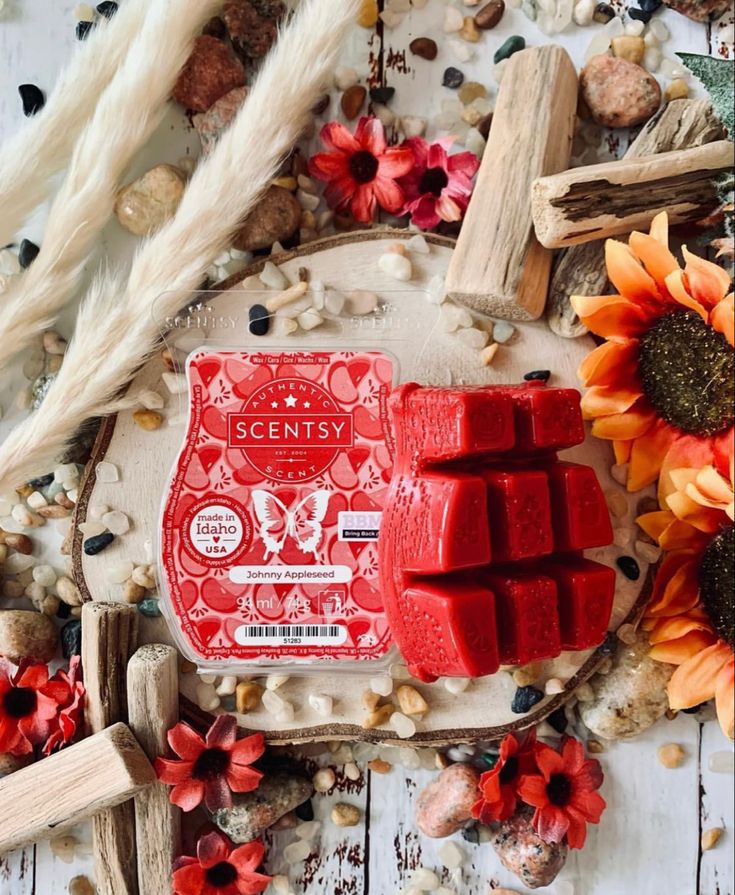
580, 269
109, 636
498, 266
604, 200
153, 705
46, 798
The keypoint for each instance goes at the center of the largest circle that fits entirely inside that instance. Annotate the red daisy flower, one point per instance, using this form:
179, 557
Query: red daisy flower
29, 703
210, 768
218, 869
565, 793
361, 170
71, 707
499, 786
439, 186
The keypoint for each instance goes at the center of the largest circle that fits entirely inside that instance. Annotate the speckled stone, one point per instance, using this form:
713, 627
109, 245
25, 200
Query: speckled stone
24, 633
631, 697
275, 218
618, 93
211, 124
148, 202
211, 71
445, 806
252, 813
535, 862
700, 10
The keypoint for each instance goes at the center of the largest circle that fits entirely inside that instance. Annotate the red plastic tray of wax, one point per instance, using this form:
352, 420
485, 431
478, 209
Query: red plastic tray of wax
482, 538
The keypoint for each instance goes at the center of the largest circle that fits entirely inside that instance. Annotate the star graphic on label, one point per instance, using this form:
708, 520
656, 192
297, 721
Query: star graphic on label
290, 401
307, 404
274, 404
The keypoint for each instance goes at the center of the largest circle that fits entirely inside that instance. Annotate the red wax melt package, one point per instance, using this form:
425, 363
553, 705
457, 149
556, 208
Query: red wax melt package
481, 540
270, 524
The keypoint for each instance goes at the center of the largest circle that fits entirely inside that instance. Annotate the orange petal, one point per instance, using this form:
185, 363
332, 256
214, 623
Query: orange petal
708, 283
696, 680
686, 451
679, 593
656, 257
682, 536
725, 698
608, 361
622, 451
699, 517
682, 649
625, 426
627, 274
648, 454
681, 625
722, 318
711, 486
660, 228
677, 289
611, 316
655, 523
599, 400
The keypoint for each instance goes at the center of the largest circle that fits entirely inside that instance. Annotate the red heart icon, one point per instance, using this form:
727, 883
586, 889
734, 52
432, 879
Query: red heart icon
358, 370
357, 457
208, 369
217, 598
209, 455
207, 629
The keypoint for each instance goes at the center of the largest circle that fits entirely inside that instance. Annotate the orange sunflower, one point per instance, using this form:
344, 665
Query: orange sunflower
691, 616
660, 386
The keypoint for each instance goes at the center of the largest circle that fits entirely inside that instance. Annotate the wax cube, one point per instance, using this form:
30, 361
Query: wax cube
519, 513
546, 418
586, 590
578, 508
527, 617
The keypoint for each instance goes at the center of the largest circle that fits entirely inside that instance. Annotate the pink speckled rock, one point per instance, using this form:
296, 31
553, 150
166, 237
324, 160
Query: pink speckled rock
445, 806
212, 123
700, 10
618, 93
211, 71
535, 862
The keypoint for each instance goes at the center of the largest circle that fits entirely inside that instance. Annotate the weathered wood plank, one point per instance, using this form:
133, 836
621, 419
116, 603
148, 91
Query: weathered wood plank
716, 869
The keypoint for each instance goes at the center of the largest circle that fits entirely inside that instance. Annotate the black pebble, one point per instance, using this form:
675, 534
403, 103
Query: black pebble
453, 78
609, 644
629, 567
525, 699
382, 95
83, 29
33, 99
107, 9
305, 811
471, 834
97, 543
321, 105
695, 709
537, 376
260, 320
558, 720
604, 12
63, 612
71, 638
650, 5
27, 253
41, 481
639, 14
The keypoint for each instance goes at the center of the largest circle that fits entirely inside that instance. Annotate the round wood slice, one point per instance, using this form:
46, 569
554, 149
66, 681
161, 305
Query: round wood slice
143, 458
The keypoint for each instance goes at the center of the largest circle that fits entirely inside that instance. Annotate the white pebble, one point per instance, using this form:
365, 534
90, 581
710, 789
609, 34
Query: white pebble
345, 77
91, 528
281, 709
22, 515
721, 762
399, 672
66, 472
308, 830
274, 681
151, 399
324, 780
424, 880
382, 685
310, 319
503, 331
396, 266
83, 12
452, 317
107, 473
404, 726
17, 563
297, 852
451, 855
670, 68
283, 326
116, 521
475, 143
119, 572
206, 677
385, 115
650, 553
600, 43
583, 12
456, 684
36, 500
351, 771
418, 244
227, 685
554, 686
281, 885
413, 125
622, 537
474, 338
453, 19
635, 28
307, 200
658, 28
334, 302
614, 28
44, 575
436, 290
322, 705
206, 698
460, 50
273, 277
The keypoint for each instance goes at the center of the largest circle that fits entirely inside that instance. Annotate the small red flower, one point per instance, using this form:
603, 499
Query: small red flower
439, 186
210, 769
565, 793
361, 170
71, 707
29, 703
499, 786
218, 869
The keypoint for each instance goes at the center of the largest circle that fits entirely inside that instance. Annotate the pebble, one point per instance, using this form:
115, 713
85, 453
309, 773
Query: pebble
424, 880
617, 92
490, 14
368, 14
150, 607
210, 125
470, 30
452, 78
44, 575
107, 8
537, 376
97, 543
361, 302
629, 47
445, 805
403, 725
512, 45
671, 755
584, 12
503, 331
274, 278
247, 696
700, 10
424, 47
324, 780
395, 265
352, 101
68, 592
143, 576
275, 218
27, 253
411, 701
344, 815
259, 320
83, 29
677, 89
525, 699
33, 99
211, 71
310, 319
296, 852
254, 812
345, 77
321, 704
460, 50
150, 420
629, 567
147, 203
71, 638
521, 850
711, 837
453, 19
27, 633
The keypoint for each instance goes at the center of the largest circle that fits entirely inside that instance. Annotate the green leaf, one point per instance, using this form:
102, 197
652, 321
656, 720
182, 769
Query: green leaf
718, 78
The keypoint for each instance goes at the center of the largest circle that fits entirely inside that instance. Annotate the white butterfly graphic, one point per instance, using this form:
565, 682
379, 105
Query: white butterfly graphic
303, 524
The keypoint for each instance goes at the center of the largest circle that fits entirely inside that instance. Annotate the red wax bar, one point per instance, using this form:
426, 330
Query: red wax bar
520, 515
586, 590
527, 616
476, 485
578, 507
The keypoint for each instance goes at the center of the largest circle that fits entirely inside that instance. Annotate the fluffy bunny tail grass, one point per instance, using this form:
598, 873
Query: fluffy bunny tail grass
116, 329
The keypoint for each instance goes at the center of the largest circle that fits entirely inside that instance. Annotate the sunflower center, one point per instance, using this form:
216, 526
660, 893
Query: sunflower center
211, 763
558, 789
509, 770
20, 702
433, 181
687, 371
221, 875
363, 166
717, 582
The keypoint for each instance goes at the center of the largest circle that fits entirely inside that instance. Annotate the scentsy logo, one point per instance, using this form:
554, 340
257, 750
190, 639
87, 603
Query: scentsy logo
200, 315
281, 430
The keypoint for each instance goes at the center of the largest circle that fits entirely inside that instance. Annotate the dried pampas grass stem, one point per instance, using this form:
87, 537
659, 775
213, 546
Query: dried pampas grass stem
116, 329
29, 160
126, 115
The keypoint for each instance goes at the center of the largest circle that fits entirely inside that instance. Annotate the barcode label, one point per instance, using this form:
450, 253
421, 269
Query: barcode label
287, 635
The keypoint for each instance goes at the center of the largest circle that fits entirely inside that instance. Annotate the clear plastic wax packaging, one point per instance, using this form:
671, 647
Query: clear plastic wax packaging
269, 525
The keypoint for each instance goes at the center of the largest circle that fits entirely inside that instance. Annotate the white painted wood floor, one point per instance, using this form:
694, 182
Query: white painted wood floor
648, 842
